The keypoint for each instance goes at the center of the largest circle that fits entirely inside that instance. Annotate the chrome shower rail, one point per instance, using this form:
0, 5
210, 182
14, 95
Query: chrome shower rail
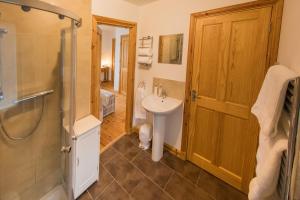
40, 5
34, 96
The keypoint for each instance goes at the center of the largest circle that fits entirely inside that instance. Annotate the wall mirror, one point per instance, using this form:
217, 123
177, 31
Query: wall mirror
170, 49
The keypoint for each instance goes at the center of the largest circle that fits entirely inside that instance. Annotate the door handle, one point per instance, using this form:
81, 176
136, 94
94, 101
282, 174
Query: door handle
66, 149
194, 95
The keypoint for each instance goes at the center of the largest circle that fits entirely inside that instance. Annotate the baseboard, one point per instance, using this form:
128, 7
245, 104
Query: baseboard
180, 154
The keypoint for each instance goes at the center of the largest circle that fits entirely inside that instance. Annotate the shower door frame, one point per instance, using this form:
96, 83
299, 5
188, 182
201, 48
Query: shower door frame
44, 6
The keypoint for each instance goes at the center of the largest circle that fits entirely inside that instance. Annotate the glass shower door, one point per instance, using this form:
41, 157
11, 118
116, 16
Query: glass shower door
36, 104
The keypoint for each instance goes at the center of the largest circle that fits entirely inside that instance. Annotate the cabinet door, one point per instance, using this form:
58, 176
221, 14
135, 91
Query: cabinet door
230, 52
86, 161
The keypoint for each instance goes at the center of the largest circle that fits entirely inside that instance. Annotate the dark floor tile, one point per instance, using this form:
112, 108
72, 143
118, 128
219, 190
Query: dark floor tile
147, 190
208, 183
124, 172
181, 189
157, 171
104, 180
134, 138
107, 155
126, 147
217, 188
185, 168
227, 192
84, 196
114, 192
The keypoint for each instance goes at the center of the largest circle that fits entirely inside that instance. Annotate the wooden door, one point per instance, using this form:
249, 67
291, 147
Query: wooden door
228, 67
124, 64
96, 106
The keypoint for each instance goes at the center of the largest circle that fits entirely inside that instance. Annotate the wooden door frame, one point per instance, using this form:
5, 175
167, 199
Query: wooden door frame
95, 96
125, 35
276, 18
113, 49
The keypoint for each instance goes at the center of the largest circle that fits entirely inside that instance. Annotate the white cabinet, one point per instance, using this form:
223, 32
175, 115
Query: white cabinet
86, 146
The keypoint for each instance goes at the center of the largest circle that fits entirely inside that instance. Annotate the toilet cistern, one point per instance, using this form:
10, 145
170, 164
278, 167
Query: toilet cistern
160, 108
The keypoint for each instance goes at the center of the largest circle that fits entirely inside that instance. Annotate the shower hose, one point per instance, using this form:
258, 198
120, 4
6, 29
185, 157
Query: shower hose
30, 133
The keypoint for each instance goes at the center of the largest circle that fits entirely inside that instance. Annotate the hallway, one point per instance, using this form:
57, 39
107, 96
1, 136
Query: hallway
113, 125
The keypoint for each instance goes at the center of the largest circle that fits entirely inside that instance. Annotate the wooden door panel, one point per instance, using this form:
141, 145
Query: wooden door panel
124, 81
124, 63
241, 62
207, 119
208, 73
231, 152
224, 107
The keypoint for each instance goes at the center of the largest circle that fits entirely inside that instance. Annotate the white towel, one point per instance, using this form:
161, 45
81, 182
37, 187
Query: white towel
145, 60
140, 112
145, 52
269, 103
263, 186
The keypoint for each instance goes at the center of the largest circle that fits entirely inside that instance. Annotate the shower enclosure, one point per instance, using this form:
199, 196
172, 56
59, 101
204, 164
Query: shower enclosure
37, 99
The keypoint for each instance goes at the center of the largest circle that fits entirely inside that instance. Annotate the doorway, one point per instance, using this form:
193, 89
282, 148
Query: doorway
113, 63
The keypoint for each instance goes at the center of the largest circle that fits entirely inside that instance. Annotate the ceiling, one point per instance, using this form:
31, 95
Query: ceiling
140, 2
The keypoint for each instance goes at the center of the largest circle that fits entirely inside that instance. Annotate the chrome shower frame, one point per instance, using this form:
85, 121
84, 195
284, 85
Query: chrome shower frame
76, 21
26, 5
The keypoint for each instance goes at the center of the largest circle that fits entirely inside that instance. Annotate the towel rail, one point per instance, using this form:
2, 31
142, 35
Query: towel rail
145, 43
291, 109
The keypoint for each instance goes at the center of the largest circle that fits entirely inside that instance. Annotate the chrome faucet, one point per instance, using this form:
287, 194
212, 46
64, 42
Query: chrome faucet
164, 94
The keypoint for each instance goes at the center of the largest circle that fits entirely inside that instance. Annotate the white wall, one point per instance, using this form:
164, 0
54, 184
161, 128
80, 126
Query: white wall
106, 50
171, 17
118, 9
289, 48
118, 34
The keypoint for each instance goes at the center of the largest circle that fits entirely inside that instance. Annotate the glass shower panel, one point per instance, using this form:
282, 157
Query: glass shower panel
35, 83
66, 70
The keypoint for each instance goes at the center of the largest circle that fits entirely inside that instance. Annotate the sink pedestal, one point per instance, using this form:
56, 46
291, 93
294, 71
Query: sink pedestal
159, 126
160, 108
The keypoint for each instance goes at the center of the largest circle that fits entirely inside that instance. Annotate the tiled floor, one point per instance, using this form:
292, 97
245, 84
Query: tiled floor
129, 173
113, 125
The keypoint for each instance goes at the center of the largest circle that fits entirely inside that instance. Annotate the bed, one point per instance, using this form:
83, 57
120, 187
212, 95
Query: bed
108, 102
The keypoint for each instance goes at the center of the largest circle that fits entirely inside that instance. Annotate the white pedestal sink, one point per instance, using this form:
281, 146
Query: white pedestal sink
160, 107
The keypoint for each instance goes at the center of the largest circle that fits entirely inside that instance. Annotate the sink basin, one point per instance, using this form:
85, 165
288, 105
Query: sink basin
160, 108
158, 105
